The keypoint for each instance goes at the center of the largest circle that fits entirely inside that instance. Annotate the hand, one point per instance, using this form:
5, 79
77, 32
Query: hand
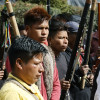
1, 74
94, 68
65, 85
84, 69
90, 78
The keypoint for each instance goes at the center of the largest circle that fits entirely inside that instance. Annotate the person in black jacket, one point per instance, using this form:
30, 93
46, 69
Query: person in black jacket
63, 58
58, 32
76, 92
58, 41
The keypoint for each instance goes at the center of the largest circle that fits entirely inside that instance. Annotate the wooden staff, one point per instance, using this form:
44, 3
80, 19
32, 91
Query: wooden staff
99, 21
88, 42
48, 6
12, 19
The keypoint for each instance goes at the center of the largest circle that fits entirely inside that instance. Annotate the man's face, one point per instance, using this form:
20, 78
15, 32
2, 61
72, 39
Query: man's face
60, 41
32, 70
38, 31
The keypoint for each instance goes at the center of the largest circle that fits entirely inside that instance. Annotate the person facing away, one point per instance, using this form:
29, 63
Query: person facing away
58, 40
26, 57
36, 21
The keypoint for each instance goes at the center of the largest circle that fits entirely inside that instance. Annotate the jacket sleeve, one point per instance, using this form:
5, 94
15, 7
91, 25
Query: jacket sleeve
56, 86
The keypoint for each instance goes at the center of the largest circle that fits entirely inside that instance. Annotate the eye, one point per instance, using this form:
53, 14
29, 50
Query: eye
36, 63
60, 37
47, 28
67, 38
40, 28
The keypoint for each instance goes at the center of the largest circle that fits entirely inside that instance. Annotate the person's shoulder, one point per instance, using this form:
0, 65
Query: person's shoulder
48, 48
8, 86
68, 50
50, 53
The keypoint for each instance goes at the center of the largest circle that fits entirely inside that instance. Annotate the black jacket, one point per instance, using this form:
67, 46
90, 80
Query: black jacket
75, 91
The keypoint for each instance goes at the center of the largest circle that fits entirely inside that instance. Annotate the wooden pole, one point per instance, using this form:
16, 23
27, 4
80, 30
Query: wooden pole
12, 19
99, 21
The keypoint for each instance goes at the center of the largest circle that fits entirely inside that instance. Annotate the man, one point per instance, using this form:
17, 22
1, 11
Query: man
36, 22
58, 41
26, 57
94, 50
76, 92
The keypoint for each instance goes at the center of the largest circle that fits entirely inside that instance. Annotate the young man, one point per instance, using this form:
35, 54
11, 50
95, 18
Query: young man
26, 57
58, 41
36, 22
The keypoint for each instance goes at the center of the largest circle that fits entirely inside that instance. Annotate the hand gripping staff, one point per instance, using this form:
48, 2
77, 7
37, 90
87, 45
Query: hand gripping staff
88, 41
74, 51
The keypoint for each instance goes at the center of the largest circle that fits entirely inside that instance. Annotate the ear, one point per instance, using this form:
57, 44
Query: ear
19, 64
27, 28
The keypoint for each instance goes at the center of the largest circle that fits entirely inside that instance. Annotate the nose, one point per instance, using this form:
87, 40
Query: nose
44, 31
41, 68
65, 41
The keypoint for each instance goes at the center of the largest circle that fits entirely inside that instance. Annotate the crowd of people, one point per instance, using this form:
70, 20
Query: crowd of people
37, 61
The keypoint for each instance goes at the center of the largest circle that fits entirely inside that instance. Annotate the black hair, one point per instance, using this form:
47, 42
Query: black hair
24, 48
56, 26
64, 17
21, 27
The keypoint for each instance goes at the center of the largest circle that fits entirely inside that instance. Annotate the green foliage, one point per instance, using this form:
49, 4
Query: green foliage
56, 7
58, 3
20, 8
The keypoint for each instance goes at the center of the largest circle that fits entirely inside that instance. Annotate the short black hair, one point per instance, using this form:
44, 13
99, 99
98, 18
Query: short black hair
21, 27
64, 17
25, 48
55, 26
